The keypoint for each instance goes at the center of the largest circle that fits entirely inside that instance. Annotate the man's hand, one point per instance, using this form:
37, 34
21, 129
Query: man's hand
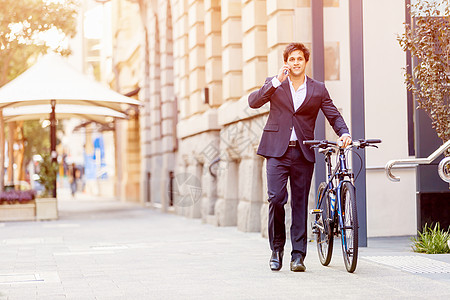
283, 73
346, 140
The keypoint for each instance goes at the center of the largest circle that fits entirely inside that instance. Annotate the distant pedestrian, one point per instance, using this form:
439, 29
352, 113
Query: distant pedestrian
74, 174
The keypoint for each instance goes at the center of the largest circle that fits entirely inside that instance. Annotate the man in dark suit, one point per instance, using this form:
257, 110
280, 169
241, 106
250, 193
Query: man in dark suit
295, 100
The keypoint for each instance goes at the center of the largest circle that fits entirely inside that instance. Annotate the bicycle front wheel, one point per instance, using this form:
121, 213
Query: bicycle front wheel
323, 226
349, 231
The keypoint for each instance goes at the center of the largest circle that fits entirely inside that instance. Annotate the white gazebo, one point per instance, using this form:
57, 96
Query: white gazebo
51, 87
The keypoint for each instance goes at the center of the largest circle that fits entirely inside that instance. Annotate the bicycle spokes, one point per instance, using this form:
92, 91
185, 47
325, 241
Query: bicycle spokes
322, 225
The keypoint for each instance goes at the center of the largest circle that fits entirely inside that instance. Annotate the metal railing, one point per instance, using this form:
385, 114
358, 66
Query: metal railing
443, 167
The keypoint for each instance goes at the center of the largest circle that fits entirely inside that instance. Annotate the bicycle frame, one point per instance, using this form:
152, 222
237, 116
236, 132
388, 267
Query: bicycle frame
339, 173
331, 218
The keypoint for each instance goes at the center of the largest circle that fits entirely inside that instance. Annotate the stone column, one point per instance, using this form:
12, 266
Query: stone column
155, 113
195, 210
228, 183
265, 203
188, 187
181, 56
145, 122
280, 31
254, 44
145, 146
168, 107
213, 78
231, 50
209, 153
196, 46
133, 160
250, 195
213, 52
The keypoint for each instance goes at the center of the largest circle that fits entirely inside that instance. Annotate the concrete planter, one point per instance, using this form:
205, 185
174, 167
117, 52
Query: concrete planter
17, 212
46, 209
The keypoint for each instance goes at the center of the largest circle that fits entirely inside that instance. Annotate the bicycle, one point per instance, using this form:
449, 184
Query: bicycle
335, 211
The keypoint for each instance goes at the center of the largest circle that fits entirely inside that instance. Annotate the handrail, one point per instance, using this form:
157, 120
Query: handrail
419, 161
215, 161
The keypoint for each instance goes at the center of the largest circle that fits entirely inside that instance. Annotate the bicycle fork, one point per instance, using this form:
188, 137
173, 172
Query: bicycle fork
341, 216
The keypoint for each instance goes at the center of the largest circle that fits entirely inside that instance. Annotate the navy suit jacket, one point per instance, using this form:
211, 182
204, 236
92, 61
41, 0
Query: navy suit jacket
282, 116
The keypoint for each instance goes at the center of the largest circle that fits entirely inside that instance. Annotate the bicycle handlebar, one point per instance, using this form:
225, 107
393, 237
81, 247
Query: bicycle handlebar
372, 141
319, 143
361, 143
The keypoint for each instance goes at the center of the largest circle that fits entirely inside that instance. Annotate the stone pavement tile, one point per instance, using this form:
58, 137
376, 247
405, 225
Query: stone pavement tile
103, 285
141, 295
73, 280
131, 286
116, 297
22, 292
108, 294
80, 295
94, 273
80, 284
52, 297
51, 291
67, 273
20, 267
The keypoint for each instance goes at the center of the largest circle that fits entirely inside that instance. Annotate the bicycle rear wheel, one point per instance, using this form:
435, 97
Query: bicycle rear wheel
324, 226
349, 232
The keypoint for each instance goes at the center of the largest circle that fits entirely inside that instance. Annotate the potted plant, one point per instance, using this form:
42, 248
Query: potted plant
46, 204
17, 205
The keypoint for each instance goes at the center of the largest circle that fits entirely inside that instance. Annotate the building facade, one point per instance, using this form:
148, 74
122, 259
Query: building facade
196, 62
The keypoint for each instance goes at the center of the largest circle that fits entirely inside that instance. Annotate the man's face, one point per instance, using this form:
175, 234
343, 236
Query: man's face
296, 62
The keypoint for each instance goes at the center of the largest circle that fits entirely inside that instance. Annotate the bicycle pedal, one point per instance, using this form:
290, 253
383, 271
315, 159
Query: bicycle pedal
316, 211
315, 229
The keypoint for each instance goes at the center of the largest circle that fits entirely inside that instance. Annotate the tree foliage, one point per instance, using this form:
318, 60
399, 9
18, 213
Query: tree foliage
29, 28
25, 27
37, 139
47, 174
428, 41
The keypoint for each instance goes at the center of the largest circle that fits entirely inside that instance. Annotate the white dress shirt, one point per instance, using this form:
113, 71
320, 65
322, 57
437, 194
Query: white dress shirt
298, 96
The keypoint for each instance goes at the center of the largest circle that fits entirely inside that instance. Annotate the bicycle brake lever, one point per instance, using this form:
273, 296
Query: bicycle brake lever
362, 146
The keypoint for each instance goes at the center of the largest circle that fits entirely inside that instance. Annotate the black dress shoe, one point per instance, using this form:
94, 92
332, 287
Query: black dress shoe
276, 260
297, 265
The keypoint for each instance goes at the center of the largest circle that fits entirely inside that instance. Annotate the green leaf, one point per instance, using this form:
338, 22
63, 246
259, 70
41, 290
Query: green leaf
431, 240
429, 43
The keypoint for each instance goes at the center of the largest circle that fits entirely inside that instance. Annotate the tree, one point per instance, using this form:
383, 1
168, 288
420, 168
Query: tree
37, 139
428, 41
47, 174
25, 29
29, 28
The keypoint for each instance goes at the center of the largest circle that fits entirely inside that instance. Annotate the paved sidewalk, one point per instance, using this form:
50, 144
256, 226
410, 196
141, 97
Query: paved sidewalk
102, 249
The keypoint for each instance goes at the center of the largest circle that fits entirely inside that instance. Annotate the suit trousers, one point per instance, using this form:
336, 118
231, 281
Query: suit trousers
294, 166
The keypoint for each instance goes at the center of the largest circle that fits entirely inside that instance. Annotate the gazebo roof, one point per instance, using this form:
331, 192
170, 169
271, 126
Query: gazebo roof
52, 78
62, 111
